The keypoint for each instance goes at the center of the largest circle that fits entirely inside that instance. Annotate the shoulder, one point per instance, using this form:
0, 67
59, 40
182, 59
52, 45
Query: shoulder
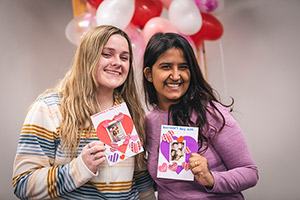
218, 112
153, 120
151, 114
50, 99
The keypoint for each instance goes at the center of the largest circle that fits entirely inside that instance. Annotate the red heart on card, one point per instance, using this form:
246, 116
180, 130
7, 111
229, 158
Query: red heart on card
103, 134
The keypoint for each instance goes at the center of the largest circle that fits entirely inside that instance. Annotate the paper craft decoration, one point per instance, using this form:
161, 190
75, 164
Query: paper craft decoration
115, 128
176, 145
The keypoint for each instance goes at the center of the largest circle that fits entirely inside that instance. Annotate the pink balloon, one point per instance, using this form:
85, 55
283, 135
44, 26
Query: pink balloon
192, 43
137, 43
219, 10
156, 25
78, 26
91, 9
166, 3
209, 6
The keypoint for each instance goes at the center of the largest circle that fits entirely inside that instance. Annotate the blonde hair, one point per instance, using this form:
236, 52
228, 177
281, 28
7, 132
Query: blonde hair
79, 89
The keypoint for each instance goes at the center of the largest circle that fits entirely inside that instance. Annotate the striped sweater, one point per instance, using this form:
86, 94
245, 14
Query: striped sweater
43, 171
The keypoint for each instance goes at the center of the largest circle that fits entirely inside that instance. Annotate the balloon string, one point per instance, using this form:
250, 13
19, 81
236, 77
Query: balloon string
202, 60
223, 69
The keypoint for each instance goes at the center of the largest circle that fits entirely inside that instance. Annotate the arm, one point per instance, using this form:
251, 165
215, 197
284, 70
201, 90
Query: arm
35, 174
231, 147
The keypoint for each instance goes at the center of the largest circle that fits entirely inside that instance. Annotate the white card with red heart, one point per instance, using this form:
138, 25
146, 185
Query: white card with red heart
176, 145
114, 127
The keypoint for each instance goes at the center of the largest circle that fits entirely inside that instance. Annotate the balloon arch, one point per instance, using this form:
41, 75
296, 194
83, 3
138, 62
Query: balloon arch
140, 19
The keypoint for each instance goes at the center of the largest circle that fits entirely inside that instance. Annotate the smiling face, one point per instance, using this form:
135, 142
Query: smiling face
170, 76
113, 66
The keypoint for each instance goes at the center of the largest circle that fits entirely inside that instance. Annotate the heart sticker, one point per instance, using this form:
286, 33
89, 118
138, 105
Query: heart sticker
180, 139
134, 137
114, 157
168, 137
103, 134
135, 146
185, 166
163, 167
122, 156
187, 150
173, 166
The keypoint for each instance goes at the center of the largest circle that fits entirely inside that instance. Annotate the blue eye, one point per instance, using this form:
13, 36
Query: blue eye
106, 54
125, 58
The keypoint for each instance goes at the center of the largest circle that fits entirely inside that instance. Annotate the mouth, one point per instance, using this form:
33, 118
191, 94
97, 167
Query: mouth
173, 85
112, 72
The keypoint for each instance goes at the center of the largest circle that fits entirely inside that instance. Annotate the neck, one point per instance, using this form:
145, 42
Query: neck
163, 107
105, 99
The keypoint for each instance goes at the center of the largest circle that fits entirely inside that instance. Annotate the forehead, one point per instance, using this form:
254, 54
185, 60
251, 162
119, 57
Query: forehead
117, 42
172, 55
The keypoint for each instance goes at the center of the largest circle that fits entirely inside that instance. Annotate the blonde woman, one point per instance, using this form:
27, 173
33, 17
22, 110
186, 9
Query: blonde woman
59, 154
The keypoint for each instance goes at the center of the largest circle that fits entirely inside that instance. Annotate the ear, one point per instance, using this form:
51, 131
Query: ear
148, 74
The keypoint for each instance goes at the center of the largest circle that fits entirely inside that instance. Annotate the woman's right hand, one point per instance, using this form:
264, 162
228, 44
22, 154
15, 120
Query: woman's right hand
93, 155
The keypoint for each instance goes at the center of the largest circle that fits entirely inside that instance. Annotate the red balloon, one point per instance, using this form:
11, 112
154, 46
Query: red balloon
211, 29
95, 3
145, 10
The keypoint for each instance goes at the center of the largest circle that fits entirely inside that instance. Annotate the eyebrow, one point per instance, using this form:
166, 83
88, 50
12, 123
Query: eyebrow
169, 63
112, 49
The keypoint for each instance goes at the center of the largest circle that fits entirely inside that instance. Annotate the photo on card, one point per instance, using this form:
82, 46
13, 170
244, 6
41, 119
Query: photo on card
116, 132
177, 151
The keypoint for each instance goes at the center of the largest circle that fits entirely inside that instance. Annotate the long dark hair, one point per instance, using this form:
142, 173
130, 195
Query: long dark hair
199, 96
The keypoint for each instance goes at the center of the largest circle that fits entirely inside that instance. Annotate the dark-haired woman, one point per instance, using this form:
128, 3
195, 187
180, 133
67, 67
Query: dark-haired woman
179, 94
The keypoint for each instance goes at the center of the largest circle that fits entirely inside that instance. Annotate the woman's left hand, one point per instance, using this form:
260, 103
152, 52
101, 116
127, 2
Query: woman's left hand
199, 167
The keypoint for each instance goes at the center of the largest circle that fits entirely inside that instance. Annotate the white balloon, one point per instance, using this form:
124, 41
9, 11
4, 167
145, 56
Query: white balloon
185, 16
115, 12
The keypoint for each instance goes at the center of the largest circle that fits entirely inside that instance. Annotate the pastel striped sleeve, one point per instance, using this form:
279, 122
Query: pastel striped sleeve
144, 184
35, 175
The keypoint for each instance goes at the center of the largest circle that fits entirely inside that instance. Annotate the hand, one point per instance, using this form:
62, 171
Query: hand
199, 167
93, 155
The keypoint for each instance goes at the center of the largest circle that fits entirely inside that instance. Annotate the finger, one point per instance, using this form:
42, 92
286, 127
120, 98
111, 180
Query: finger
194, 154
98, 148
99, 155
100, 160
95, 143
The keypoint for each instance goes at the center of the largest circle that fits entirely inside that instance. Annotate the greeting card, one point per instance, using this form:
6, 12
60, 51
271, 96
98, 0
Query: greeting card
115, 128
176, 145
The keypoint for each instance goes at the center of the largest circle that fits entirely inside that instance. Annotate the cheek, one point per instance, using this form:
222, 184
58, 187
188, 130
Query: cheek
126, 69
186, 77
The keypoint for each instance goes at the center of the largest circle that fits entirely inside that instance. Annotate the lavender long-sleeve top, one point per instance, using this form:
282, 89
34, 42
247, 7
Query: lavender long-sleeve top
228, 158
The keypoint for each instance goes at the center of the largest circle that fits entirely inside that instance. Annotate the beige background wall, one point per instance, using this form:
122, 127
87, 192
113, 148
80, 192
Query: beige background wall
256, 61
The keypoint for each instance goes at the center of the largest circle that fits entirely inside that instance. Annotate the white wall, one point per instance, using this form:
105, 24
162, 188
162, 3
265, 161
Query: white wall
261, 45
260, 59
34, 55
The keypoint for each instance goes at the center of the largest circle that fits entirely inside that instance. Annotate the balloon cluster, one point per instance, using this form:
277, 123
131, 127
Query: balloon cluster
140, 19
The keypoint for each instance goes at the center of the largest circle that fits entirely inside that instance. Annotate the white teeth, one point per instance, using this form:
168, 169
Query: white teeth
111, 72
173, 84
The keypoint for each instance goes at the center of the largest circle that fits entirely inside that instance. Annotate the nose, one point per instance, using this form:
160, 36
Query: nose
116, 61
175, 75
